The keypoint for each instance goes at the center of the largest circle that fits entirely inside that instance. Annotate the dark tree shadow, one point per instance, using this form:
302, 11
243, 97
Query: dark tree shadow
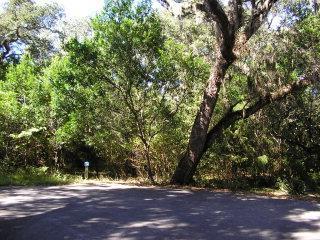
96, 212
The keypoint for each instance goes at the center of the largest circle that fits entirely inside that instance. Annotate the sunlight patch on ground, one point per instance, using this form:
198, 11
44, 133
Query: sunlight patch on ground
158, 224
310, 217
265, 234
306, 235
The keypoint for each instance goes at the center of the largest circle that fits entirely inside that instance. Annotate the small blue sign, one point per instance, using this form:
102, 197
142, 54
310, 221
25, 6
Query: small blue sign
86, 164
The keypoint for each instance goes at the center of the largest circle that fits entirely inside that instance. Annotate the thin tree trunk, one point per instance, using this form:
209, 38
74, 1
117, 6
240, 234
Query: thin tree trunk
149, 168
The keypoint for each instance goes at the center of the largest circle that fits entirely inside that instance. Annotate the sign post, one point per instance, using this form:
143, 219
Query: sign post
86, 169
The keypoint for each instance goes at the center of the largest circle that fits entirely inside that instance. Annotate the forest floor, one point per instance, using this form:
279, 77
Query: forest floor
122, 211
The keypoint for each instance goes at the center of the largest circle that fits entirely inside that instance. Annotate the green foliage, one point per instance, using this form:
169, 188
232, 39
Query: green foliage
292, 186
139, 75
35, 176
125, 99
280, 141
23, 116
262, 160
295, 11
28, 133
25, 26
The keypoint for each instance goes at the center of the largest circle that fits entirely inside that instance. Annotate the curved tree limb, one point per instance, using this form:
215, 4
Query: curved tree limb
233, 116
227, 26
259, 13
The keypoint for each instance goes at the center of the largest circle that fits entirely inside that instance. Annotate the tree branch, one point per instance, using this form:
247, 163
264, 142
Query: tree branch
214, 11
6, 49
236, 14
225, 31
232, 116
259, 13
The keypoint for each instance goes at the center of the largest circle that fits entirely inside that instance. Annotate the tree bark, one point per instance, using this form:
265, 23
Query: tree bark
316, 4
229, 119
232, 117
227, 29
149, 167
188, 163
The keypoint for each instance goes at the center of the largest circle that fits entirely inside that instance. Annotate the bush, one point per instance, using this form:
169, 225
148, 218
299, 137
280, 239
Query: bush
297, 186
35, 176
314, 181
292, 186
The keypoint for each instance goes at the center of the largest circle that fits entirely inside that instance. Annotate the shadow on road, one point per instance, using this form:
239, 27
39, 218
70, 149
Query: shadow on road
123, 212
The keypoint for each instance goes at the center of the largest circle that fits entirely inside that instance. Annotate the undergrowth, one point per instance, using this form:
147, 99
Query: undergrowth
36, 176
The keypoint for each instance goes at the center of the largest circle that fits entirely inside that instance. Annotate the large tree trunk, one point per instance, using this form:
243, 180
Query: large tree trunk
187, 167
189, 162
225, 36
228, 25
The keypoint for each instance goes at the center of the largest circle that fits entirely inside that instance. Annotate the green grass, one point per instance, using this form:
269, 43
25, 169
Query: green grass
35, 176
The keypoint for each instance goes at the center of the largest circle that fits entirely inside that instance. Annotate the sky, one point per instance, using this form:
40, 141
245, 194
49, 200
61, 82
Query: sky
79, 8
